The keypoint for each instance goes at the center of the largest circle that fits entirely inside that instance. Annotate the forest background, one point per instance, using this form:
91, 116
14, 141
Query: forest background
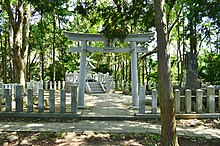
32, 39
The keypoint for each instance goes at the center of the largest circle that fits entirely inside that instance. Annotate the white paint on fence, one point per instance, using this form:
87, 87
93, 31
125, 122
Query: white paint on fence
154, 101
210, 99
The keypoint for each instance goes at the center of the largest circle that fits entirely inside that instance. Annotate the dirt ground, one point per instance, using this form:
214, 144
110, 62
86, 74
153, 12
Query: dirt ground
89, 138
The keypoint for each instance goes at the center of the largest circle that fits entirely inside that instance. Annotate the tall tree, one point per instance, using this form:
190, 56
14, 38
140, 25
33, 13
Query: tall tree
19, 21
167, 104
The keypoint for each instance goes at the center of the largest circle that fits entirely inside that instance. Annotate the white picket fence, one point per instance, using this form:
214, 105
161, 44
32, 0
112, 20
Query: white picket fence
74, 77
13, 94
208, 103
22, 103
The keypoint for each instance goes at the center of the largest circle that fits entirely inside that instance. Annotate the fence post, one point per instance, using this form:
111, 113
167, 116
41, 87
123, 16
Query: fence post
41, 84
73, 98
41, 100
99, 77
62, 100
199, 94
142, 100
154, 101
59, 85
13, 90
52, 100
19, 98
46, 85
126, 86
55, 85
177, 100
122, 84
188, 105
8, 99
211, 99
30, 100
149, 85
63, 84
118, 85
51, 85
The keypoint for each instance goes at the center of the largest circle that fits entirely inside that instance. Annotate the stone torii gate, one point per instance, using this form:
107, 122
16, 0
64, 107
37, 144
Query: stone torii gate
133, 50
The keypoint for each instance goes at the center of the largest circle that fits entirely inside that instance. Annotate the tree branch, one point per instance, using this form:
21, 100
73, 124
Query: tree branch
10, 13
149, 53
174, 23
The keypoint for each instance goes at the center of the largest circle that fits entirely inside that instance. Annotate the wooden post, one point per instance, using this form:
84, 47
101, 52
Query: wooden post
210, 99
19, 98
154, 101
8, 101
52, 100
41, 100
62, 100
177, 100
73, 98
199, 95
142, 100
30, 100
188, 105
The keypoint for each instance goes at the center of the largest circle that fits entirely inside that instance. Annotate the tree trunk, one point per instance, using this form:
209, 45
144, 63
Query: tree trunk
167, 102
54, 49
41, 46
25, 38
10, 46
19, 22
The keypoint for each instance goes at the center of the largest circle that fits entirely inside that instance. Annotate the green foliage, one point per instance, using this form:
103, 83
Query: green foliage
152, 70
119, 17
152, 139
50, 136
103, 68
209, 68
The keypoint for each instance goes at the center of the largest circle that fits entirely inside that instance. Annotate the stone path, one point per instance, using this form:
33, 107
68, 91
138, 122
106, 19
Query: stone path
113, 106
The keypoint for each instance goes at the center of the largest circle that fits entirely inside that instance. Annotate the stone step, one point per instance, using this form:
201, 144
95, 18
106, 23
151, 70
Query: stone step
95, 87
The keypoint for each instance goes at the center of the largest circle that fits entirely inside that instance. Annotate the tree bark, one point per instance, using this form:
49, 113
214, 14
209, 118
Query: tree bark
41, 45
167, 102
20, 23
4, 60
54, 49
25, 38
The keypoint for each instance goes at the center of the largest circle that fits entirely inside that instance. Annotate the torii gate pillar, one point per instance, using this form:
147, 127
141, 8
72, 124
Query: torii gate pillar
134, 74
82, 75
